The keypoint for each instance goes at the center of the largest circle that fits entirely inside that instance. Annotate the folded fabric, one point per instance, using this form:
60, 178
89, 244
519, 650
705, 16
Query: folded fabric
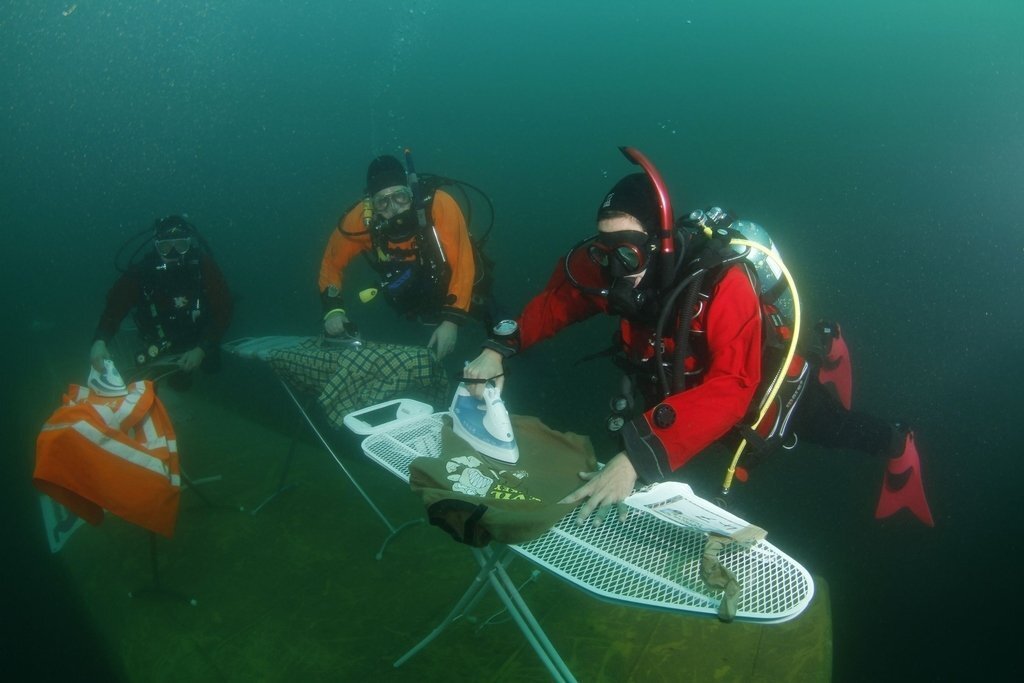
717, 576
477, 499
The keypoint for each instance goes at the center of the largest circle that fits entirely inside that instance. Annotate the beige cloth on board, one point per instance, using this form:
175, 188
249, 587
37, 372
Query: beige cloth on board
476, 499
717, 576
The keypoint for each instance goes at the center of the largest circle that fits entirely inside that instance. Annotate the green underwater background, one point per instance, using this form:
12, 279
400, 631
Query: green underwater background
880, 143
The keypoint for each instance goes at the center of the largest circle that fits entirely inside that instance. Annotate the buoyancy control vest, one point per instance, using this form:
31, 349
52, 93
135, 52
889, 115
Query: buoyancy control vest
673, 355
408, 258
171, 313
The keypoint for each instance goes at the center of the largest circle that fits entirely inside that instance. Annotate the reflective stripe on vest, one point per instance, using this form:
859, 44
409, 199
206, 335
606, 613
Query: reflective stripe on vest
112, 453
122, 450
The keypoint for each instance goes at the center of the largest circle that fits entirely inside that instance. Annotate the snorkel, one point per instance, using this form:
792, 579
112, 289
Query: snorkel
666, 248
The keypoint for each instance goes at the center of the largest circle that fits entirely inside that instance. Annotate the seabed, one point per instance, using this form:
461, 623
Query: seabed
295, 592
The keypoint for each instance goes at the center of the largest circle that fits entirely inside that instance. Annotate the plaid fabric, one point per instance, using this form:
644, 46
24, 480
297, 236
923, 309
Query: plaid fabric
346, 380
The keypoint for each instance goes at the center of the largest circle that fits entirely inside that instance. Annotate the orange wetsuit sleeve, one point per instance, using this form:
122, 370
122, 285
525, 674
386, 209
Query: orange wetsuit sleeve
347, 240
458, 250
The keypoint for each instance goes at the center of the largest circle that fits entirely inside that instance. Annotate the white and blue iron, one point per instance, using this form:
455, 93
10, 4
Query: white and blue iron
107, 383
484, 423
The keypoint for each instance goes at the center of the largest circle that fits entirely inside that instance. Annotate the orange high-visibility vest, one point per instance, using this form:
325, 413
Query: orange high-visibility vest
118, 454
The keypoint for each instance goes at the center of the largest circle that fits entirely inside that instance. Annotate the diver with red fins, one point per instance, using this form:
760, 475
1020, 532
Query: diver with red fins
709, 347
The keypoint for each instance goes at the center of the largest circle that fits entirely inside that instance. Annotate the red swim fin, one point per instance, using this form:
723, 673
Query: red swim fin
836, 371
902, 486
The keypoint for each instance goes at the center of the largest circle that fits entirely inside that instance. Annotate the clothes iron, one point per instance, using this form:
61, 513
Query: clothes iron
348, 339
484, 423
107, 383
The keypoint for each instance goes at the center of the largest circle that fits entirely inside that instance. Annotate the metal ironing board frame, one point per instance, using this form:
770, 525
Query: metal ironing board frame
639, 571
493, 574
392, 529
260, 348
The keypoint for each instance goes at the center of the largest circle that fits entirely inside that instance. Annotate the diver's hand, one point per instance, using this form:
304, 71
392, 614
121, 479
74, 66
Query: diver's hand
335, 323
98, 353
443, 339
488, 365
190, 360
605, 488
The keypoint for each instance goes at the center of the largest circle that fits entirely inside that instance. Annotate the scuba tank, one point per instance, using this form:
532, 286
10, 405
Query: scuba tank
780, 305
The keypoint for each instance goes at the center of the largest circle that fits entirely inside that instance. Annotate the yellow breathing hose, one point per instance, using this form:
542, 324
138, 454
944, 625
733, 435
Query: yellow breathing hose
777, 384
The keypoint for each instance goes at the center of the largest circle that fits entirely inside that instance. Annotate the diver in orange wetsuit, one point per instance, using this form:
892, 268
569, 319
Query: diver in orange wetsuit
419, 245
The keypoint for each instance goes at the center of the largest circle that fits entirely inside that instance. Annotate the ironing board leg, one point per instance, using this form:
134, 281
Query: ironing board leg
392, 529
312, 425
520, 611
391, 536
156, 588
193, 485
493, 574
282, 483
479, 583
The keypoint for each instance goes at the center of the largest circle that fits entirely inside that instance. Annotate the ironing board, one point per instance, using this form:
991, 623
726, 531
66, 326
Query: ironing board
260, 349
651, 560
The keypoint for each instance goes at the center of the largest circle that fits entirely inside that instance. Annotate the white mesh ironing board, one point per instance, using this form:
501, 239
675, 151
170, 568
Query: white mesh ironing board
648, 561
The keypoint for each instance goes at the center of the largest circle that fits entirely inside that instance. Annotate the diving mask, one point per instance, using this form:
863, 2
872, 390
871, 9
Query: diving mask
400, 199
621, 253
169, 247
